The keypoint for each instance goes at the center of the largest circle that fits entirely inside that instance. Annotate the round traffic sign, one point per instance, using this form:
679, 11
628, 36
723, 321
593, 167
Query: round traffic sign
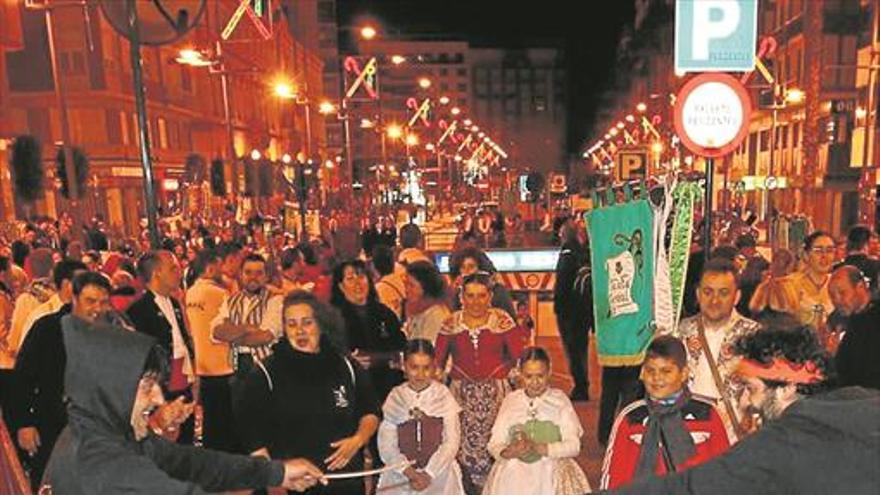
712, 114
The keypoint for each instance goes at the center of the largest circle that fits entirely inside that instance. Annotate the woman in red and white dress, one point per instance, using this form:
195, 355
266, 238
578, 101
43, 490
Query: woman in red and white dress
483, 344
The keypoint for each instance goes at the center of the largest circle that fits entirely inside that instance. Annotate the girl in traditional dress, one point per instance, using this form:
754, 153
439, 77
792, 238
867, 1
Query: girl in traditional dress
483, 343
536, 437
420, 424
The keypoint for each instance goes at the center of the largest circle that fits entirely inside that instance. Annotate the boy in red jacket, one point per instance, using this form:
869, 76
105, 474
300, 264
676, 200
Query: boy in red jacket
670, 430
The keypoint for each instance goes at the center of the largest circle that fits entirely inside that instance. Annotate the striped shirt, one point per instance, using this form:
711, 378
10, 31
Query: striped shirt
261, 310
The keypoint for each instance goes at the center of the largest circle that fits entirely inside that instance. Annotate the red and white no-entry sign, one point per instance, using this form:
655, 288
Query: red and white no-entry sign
712, 114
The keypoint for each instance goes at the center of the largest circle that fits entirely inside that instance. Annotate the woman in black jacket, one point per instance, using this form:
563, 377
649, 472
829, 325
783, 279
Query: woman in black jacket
372, 331
308, 398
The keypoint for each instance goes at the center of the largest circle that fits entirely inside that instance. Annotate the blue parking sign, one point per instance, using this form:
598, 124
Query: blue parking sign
715, 35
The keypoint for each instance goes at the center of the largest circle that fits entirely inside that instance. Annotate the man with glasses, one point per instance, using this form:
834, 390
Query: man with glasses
858, 356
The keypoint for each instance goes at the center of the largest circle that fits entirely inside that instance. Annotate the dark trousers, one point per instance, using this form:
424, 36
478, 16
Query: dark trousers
576, 341
245, 364
218, 424
620, 386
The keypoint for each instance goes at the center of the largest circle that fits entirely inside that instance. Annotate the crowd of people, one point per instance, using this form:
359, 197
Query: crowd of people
235, 357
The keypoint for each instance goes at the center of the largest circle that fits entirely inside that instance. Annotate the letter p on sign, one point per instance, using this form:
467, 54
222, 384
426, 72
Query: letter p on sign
715, 35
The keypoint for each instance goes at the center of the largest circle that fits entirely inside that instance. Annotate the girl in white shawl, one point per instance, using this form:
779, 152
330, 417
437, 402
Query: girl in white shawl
420, 431
536, 437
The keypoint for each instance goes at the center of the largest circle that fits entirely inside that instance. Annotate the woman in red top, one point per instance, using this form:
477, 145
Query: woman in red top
483, 343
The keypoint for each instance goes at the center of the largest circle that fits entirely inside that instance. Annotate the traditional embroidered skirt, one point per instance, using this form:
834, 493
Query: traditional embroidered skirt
479, 401
12, 478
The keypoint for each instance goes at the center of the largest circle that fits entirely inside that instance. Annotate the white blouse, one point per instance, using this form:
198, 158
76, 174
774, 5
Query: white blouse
537, 478
436, 401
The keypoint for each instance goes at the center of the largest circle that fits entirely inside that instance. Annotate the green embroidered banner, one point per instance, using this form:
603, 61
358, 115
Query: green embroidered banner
622, 255
685, 194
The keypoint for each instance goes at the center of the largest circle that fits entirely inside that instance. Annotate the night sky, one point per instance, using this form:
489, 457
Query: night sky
588, 35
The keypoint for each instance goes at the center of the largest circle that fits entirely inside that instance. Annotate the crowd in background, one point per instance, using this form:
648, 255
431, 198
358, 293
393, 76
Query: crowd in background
309, 348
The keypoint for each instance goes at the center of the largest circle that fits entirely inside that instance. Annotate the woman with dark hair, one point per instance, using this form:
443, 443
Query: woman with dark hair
372, 331
810, 285
468, 260
308, 399
425, 301
483, 343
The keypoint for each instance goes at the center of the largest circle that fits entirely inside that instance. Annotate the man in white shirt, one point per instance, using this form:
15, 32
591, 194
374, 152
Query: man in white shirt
158, 313
249, 320
710, 336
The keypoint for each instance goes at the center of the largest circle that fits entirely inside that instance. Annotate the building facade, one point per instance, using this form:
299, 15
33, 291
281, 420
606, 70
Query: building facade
521, 96
812, 128
185, 104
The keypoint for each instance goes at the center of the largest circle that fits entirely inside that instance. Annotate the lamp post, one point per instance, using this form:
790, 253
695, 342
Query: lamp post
217, 66
290, 92
299, 170
788, 96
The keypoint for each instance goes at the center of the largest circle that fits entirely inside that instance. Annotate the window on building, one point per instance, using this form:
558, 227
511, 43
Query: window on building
64, 62
326, 12
78, 63
162, 127
461, 87
539, 103
135, 132
461, 72
123, 128
114, 134
185, 79
839, 50
444, 72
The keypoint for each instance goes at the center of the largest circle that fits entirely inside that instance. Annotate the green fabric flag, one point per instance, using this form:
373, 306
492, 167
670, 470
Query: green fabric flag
622, 255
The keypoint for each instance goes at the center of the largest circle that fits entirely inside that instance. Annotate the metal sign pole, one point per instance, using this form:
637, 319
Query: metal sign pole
140, 105
707, 205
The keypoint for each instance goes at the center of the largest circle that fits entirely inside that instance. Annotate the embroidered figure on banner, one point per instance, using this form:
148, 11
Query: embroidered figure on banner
622, 271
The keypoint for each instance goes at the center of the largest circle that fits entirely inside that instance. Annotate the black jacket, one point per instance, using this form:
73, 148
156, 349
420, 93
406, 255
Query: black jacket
149, 319
38, 384
97, 452
858, 357
828, 444
298, 403
573, 291
374, 329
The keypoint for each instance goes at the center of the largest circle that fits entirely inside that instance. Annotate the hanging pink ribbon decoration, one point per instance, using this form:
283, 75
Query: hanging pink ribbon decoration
766, 48
351, 65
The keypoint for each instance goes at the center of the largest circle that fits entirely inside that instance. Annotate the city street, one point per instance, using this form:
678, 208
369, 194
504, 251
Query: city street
303, 246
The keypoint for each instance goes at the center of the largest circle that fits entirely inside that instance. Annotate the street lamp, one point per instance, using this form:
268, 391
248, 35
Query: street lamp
424, 83
193, 58
297, 172
326, 108
394, 131
368, 32
412, 140
444, 100
794, 95
398, 59
641, 107
455, 111
289, 91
